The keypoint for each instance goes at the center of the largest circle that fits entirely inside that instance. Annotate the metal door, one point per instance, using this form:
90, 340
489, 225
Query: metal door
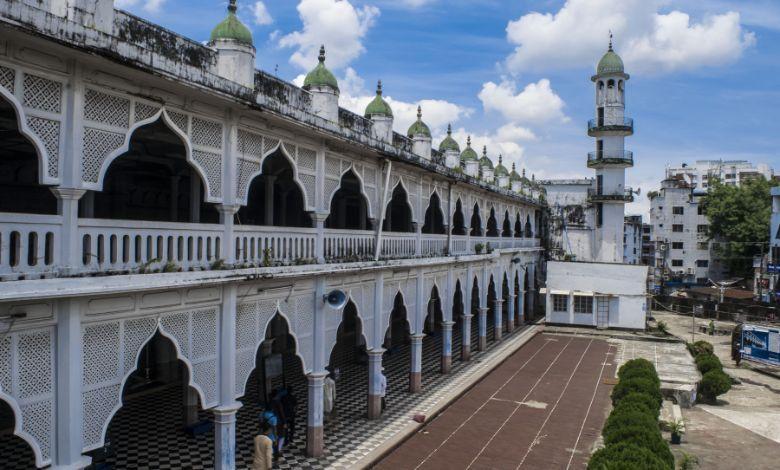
602, 312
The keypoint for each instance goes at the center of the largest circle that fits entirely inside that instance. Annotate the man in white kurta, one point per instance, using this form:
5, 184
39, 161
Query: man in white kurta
328, 396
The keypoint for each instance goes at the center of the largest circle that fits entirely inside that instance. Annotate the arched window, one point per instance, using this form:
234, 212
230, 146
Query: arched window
274, 197
476, 222
528, 231
492, 224
601, 85
506, 230
458, 220
518, 227
434, 219
19, 170
611, 84
398, 216
151, 181
349, 208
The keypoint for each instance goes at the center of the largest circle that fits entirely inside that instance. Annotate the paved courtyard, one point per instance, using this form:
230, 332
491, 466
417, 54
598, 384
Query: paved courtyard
543, 408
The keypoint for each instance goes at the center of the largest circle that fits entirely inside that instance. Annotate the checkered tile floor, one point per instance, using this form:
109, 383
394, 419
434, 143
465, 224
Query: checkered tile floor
147, 431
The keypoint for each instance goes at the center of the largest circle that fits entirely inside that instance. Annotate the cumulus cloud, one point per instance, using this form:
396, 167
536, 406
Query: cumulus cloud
337, 24
497, 144
261, 15
537, 103
151, 6
647, 40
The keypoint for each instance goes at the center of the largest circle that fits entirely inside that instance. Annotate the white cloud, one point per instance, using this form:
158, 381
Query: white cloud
335, 23
151, 6
647, 40
497, 144
416, 3
536, 104
260, 12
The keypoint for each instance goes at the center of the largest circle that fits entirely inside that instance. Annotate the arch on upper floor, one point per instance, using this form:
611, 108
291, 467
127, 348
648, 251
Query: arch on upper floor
350, 181
518, 226
506, 229
476, 221
528, 230
492, 224
41, 152
163, 116
399, 215
434, 216
458, 220
18, 431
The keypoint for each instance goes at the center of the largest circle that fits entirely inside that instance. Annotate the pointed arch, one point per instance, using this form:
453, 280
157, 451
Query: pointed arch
337, 219
492, 224
458, 219
434, 216
476, 222
398, 301
506, 229
19, 432
518, 226
41, 152
528, 232
360, 329
399, 207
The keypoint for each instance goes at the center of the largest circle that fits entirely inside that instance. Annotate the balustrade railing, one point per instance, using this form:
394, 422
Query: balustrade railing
266, 245
349, 245
433, 245
29, 244
399, 245
460, 245
123, 245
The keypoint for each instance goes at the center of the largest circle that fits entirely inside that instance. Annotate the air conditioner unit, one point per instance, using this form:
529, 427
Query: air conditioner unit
691, 271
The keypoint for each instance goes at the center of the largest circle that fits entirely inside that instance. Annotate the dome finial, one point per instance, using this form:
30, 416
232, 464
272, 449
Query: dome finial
484, 150
379, 88
500, 159
232, 6
468, 141
523, 172
610, 39
513, 166
449, 129
322, 54
419, 113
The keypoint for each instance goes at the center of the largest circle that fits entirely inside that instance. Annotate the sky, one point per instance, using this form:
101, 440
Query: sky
515, 75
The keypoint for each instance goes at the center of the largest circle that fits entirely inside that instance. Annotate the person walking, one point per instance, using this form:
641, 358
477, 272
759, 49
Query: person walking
289, 405
269, 418
264, 448
281, 422
328, 396
382, 387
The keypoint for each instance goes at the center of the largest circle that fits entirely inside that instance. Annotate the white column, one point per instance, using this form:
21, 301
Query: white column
511, 312
269, 199
319, 242
226, 213
374, 369
571, 308
70, 244
225, 413
482, 344
415, 376
314, 429
69, 418
446, 347
499, 320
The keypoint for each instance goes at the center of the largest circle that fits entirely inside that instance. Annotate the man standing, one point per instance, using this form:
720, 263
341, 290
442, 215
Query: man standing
382, 387
328, 396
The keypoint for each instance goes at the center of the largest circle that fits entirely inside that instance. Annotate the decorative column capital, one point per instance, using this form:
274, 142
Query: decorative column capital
226, 411
418, 337
318, 216
228, 209
71, 194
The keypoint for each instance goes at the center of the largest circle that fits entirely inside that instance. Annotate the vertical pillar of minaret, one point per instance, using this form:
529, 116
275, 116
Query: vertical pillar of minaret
609, 159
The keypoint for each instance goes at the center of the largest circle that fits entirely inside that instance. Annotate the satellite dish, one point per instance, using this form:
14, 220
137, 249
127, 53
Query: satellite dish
336, 299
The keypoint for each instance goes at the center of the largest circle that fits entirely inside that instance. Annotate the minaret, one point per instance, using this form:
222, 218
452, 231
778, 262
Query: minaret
235, 50
610, 159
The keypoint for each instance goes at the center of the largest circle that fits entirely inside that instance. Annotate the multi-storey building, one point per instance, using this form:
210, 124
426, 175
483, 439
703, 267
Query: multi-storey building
172, 221
648, 246
774, 245
632, 240
731, 172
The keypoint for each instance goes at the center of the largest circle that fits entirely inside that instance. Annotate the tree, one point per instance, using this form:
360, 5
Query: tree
739, 222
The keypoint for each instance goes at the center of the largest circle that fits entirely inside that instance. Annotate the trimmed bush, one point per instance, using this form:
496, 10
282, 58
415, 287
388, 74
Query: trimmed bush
700, 347
625, 456
636, 364
649, 438
641, 373
639, 401
622, 417
714, 383
637, 384
707, 362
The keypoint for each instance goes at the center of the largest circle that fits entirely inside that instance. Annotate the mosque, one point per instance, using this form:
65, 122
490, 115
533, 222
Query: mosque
182, 234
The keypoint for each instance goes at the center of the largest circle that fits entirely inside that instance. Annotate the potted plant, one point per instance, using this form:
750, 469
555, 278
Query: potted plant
677, 427
478, 247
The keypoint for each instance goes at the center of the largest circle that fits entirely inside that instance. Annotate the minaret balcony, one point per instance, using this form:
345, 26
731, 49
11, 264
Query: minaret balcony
601, 127
596, 195
609, 159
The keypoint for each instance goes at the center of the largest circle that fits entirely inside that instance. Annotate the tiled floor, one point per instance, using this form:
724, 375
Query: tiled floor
147, 430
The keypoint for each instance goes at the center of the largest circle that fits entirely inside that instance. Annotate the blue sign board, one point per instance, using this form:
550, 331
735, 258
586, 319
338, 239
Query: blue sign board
773, 268
760, 344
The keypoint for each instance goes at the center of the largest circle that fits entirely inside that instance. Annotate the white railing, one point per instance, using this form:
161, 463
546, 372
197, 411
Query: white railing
399, 245
264, 245
433, 245
460, 245
349, 244
29, 244
122, 245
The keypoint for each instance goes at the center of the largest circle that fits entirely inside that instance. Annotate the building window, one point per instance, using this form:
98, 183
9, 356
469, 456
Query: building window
660, 208
677, 263
703, 228
560, 303
583, 304
678, 210
701, 280
677, 228
702, 263
599, 215
702, 246
700, 209
677, 245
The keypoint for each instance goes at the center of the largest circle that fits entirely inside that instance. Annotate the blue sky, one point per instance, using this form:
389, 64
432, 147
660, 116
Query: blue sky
515, 74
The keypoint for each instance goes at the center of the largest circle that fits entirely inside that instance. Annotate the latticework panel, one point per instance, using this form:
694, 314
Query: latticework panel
144, 111
309, 183
307, 159
211, 164
48, 131
269, 144
5, 364
179, 120
101, 353
206, 133
106, 109
7, 76
97, 406
244, 171
38, 421
333, 167
98, 145
42, 93
250, 144
251, 321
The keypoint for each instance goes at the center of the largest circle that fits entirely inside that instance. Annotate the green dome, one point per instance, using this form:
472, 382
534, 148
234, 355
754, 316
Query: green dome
469, 154
525, 181
485, 161
378, 107
449, 143
321, 76
610, 63
232, 28
513, 175
500, 168
419, 127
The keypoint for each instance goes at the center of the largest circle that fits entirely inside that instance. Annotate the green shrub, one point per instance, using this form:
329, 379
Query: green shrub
707, 362
622, 417
639, 401
641, 373
649, 438
637, 384
714, 383
700, 347
636, 364
625, 456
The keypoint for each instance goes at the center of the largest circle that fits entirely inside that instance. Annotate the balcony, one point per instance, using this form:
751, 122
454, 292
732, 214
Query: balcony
595, 195
602, 159
599, 127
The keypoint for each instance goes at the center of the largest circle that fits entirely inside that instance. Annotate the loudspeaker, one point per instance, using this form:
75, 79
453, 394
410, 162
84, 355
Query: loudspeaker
336, 299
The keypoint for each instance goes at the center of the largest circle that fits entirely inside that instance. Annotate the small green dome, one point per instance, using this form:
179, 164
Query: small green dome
232, 28
419, 127
449, 143
500, 169
320, 76
610, 63
485, 162
378, 107
469, 154
525, 181
513, 175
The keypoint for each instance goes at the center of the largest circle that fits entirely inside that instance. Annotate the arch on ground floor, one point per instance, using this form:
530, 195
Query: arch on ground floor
19, 433
360, 329
41, 152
